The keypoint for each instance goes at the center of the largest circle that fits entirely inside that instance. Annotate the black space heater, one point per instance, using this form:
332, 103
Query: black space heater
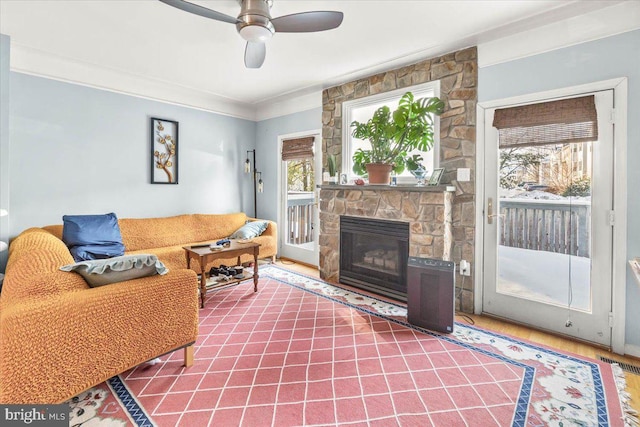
430, 294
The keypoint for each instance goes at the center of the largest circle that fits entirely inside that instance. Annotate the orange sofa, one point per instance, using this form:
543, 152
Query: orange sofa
59, 337
166, 236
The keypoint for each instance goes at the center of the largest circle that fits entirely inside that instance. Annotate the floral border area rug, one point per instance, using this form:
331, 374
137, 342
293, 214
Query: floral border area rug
554, 389
558, 389
108, 404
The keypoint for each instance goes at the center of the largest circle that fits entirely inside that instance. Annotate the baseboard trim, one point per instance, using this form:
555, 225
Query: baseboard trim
631, 350
546, 331
294, 261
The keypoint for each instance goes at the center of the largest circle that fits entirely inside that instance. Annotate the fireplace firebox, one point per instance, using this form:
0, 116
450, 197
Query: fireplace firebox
373, 255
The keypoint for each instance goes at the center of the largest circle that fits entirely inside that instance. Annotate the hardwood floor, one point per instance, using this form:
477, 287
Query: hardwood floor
546, 339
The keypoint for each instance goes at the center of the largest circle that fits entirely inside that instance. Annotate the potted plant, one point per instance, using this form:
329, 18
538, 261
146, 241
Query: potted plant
333, 168
393, 135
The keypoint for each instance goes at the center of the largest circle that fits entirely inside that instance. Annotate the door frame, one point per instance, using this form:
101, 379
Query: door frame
317, 134
619, 260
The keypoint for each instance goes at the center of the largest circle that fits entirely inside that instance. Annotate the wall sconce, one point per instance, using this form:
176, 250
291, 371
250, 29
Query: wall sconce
258, 184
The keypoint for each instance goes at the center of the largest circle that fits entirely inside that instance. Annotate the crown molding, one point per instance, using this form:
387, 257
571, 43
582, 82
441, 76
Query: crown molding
28, 60
288, 104
560, 32
558, 16
593, 25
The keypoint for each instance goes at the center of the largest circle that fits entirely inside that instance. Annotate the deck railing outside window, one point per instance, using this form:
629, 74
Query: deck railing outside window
300, 217
546, 225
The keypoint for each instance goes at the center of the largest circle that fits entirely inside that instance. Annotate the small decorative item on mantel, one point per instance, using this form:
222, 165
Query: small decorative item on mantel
436, 176
417, 169
164, 151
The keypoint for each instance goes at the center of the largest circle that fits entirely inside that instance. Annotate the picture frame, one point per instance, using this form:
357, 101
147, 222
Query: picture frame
164, 151
436, 176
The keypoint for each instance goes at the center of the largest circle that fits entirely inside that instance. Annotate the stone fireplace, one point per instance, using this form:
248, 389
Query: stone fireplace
441, 219
425, 211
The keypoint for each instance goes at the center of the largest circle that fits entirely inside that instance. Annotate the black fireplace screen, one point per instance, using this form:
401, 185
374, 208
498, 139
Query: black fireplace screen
373, 255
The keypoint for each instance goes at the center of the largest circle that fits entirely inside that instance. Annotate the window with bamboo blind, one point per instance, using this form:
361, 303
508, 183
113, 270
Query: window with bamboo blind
552, 122
297, 149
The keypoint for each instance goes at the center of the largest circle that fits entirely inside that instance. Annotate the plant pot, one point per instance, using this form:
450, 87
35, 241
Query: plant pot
379, 173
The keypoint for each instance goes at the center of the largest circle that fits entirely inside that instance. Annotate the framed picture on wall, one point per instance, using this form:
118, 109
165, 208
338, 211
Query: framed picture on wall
164, 151
436, 176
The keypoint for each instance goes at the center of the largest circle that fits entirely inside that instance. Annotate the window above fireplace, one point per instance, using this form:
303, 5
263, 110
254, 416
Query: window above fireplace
363, 108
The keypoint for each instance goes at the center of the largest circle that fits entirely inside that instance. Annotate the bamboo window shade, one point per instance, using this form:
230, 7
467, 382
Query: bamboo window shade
297, 149
553, 122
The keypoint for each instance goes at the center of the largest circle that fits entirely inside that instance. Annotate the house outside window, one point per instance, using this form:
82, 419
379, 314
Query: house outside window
362, 110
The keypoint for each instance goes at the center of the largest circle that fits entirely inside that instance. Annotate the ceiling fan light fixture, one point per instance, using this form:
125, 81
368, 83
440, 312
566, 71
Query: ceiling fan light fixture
255, 25
255, 33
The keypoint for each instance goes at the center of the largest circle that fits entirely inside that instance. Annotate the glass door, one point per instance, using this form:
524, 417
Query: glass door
299, 229
548, 239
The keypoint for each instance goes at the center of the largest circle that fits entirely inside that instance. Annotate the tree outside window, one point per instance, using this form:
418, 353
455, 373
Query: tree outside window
300, 175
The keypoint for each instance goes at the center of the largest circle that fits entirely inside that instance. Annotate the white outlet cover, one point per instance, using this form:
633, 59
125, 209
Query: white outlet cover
464, 174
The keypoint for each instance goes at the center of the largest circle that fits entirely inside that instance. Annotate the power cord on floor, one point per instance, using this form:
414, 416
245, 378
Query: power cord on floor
285, 262
467, 319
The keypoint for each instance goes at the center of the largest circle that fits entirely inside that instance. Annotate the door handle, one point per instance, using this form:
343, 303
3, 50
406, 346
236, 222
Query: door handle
490, 211
490, 214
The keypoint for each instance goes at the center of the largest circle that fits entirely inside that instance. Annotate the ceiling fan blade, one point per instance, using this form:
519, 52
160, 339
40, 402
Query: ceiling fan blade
200, 11
307, 22
254, 54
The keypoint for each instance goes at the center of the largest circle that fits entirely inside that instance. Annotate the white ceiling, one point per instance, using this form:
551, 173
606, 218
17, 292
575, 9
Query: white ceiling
148, 41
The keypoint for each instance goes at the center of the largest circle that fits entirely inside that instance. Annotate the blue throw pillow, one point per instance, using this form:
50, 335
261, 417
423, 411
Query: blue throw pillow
250, 229
92, 236
119, 269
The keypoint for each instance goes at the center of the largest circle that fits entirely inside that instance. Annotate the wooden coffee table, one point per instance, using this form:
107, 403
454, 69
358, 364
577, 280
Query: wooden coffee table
204, 255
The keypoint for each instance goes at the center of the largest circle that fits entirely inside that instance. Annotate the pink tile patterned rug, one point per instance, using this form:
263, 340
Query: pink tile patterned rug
304, 352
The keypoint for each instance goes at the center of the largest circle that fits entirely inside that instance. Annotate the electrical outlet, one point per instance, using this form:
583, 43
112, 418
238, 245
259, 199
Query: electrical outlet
463, 174
465, 268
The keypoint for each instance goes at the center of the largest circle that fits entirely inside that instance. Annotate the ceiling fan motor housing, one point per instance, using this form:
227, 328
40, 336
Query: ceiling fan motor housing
254, 21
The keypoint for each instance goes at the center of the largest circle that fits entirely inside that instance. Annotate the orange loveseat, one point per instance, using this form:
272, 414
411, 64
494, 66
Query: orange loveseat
59, 337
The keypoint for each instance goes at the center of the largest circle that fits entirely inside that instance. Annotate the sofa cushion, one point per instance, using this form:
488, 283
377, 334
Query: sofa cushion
92, 236
250, 229
171, 256
102, 272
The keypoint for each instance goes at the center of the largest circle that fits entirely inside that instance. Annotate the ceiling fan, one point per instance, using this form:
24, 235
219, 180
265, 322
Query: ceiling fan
255, 25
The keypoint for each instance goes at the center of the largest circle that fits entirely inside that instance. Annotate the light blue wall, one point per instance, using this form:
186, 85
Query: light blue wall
4, 141
80, 150
612, 57
267, 132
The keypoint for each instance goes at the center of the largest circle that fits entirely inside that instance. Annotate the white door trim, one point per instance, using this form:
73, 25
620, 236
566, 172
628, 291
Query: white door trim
619, 274
316, 133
